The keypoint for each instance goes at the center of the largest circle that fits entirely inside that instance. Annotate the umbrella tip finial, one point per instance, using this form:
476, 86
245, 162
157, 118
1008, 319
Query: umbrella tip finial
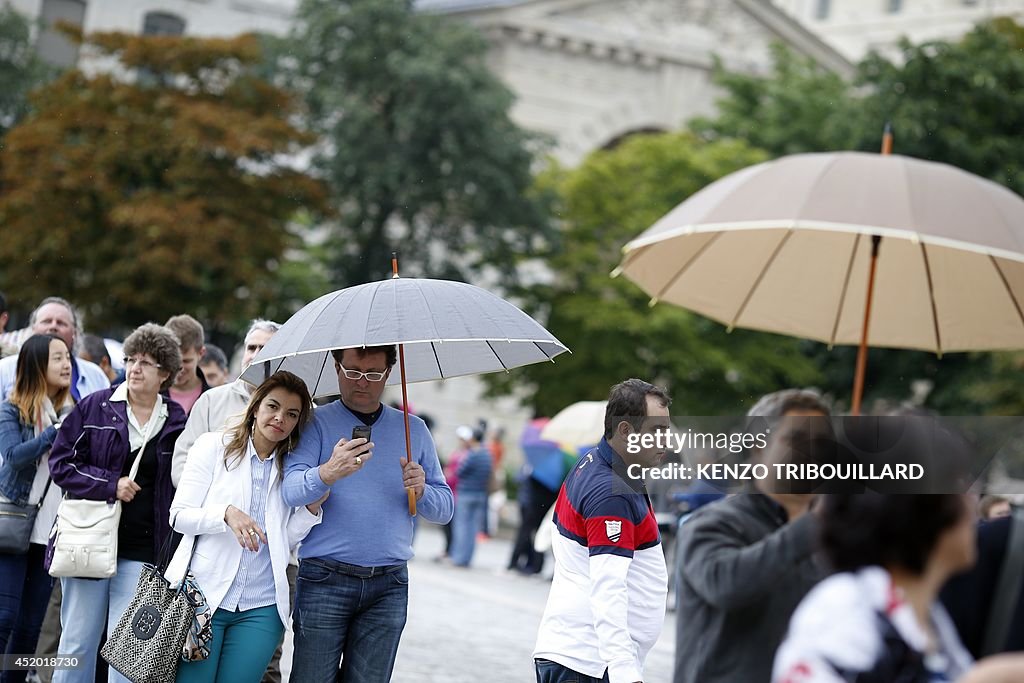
617, 272
652, 303
394, 265
887, 138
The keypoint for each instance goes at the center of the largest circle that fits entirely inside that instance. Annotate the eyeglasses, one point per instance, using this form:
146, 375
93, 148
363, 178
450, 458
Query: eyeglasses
356, 374
142, 363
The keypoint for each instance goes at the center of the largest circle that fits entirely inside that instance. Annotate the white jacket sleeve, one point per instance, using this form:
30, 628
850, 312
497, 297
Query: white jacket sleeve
191, 512
609, 601
300, 522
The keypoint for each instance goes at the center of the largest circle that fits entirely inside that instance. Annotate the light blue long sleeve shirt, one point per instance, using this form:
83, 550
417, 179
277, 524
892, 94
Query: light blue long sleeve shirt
366, 519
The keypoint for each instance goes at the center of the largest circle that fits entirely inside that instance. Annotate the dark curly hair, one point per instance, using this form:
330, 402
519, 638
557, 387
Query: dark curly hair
161, 344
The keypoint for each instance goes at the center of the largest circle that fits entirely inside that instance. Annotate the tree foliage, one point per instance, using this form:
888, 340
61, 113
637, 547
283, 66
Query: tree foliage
417, 144
20, 68
613, 333
960, 103
157, 187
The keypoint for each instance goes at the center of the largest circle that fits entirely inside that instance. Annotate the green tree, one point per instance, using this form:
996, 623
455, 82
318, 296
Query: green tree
960, 103
20, 69
142, 197
799, 107
613, 333
417, 144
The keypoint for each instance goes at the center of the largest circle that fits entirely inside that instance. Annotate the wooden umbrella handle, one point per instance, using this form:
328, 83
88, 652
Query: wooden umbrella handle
408, 440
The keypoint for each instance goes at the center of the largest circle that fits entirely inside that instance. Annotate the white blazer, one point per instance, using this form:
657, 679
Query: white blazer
204, 493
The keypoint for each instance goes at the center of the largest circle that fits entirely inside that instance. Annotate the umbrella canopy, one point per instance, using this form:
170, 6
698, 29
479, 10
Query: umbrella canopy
785, 246
576, 427
448, 328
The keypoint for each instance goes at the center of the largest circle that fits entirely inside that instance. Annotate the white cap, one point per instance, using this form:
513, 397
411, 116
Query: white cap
465, 433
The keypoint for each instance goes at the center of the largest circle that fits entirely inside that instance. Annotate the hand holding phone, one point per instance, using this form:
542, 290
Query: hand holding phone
361, 432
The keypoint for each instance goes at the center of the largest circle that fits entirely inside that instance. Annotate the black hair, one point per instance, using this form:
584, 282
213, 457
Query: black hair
628, 401
390, 352
864, 529
214, 354
96, 348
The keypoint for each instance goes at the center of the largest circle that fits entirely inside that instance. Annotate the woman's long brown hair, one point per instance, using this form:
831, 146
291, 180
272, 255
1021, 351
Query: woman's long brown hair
30, 388
239, 435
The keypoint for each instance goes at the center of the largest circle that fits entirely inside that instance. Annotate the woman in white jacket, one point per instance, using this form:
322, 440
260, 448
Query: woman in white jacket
229, 504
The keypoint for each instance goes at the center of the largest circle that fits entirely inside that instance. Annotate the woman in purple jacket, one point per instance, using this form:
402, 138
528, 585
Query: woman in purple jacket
91, 459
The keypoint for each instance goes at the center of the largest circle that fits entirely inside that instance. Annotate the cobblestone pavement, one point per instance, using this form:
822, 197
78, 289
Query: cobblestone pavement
481, 623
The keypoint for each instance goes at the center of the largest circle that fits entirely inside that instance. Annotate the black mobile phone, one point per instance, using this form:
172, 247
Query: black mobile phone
361, 432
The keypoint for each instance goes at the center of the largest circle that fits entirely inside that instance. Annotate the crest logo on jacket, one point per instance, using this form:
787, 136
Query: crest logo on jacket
613, 528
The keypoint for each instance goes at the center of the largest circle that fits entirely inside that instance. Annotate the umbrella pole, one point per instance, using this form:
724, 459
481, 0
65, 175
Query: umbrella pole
862, 352
410, 494
408, 440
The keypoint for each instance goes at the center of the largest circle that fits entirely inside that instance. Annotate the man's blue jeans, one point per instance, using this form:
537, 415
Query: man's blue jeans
553, 672
348, 613
470, 515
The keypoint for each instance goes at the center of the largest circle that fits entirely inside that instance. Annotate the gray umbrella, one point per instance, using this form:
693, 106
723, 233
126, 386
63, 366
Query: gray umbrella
442, 329
449, 329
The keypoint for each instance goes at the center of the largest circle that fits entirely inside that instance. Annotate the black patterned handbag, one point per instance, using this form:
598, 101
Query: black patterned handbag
147, 642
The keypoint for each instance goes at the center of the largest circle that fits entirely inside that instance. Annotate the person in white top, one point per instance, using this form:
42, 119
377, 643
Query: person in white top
41, 398
878, 619
238, 532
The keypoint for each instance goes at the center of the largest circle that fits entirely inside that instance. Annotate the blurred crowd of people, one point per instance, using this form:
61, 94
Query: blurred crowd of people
286, 518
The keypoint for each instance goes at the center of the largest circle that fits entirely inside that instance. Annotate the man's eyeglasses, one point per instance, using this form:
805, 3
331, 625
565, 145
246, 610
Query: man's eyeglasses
356, 374
141, 362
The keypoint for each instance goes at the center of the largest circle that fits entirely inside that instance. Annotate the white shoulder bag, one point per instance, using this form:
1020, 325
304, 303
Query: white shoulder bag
85, 532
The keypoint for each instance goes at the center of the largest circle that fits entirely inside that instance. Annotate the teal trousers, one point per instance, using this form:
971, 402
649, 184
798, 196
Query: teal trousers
242, 645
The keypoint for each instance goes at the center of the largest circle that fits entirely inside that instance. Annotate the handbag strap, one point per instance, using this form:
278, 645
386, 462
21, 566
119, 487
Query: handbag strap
145, 437
46, 489
1008, 588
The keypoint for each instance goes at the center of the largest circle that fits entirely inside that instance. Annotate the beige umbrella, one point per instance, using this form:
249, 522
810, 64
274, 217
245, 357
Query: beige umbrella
576, 426
787, 246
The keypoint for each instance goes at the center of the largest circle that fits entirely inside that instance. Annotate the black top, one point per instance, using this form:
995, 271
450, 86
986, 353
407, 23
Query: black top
969, 596
138, 520
367, 418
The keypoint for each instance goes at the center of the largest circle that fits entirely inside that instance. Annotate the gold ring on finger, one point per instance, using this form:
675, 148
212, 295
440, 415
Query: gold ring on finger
359, 460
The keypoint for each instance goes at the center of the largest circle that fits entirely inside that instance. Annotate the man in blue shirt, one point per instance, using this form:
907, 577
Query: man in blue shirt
353, 585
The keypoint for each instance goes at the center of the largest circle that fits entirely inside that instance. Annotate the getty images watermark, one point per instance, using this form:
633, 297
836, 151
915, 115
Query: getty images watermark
746, 471
892, 454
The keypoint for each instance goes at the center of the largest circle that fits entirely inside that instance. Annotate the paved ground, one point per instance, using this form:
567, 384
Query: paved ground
468, 625
480, 623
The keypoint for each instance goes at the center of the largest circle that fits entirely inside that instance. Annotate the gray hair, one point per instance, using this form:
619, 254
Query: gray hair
262, 325
778, 403
76, 319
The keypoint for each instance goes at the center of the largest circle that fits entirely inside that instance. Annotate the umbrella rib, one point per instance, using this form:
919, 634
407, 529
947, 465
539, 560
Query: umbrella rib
433, 349
760, 277
686, 266
503, 366
541, 349
1006, 284
846, 286
626, 260
320, 374
931, 298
